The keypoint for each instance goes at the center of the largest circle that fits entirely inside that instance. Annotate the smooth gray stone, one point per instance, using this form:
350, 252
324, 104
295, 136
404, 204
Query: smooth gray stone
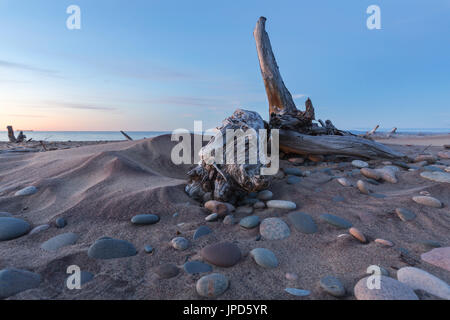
144, 219
433, 169
265, 195
298, 292
390, 289
302, 222
212, 285
61, 222
40, 228
443, 177
274, 229
418, 279
180, 243
360, 164
336, 221
5, 215
11, 228
28, 191
281, 204
264, 257
59, 241
333, 286
212, 217
108, 248
293, 171
250, 222
202, 231
148, 249
193, 267
229, 219
167, 271
13, 281
293, 180
405, 214
249, 201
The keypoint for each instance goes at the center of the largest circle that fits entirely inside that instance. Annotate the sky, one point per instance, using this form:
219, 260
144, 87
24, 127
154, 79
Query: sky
147, 65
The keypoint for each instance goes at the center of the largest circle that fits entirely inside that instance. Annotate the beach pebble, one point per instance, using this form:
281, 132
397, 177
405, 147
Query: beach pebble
201, 231
59, 241
40, 228
259, 205
13, 281
425, 157
293, 171
336, 221
28, 191
212, 217
371, 173
249, 222
167, 271
224, 254
418, 279
274, 229
175, 215
193, 267
344, 182
388, 173
291, 276
212, 285
281, 204
333, 286
385, 243
293, 180
298, 292
439, 257
357, 234
362, 187
109, 248
11, 228
221, 208
430, 169
359, 164
264, 257
428, 201
265, 195
60, 222
296, 161
229, 220
148, 249
390, 289
302, 222
444, 154
447, 169
144, 219
436, 176
378, 270
405, 214
244, 211
180, 243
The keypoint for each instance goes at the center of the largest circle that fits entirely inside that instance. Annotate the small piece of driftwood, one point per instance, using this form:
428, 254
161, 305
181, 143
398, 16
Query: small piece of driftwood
126, 136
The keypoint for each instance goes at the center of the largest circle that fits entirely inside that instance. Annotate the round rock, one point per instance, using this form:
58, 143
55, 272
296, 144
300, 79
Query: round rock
60, 241
293, 171
13, 281
265, 195
148, 249
61, 222
11, 228
333, 286
281, 204
390, 289
194, 267
336, 221
357, 234
108, 248
302, 222
144, 219
344, 182
180, 243
201, 231
298, 292
212, 217
293, 180
167, 271
264, 257
362, 187
224, 254
249, 222
436, 176
428, 201
419, 279
221, 208
274, 229
212, 285
405, 214
385, 243
40, 228
259, 205
28, 191
229, 220
439, 257
370, 173
359, 164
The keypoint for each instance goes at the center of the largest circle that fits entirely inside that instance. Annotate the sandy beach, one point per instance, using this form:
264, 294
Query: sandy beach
98, 188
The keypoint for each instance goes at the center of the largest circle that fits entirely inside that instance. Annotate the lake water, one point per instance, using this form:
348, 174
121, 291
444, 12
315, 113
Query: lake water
136, 135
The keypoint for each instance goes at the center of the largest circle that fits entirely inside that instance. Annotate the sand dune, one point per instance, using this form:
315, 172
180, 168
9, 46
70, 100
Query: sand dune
99, 188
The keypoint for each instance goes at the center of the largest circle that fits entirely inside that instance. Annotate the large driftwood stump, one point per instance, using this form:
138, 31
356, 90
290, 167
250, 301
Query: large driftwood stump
230, 181
11, 136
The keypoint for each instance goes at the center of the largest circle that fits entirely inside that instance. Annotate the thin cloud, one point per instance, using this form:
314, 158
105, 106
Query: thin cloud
26, 67
25, 116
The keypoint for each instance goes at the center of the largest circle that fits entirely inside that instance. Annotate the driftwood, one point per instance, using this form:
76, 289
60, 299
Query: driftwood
299, 134
126, 136
12, 138
371, 132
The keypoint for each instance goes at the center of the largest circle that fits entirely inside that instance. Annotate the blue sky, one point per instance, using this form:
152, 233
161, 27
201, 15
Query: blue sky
160, 65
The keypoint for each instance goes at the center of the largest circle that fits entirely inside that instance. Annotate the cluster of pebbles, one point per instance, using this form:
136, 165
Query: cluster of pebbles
228, 254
